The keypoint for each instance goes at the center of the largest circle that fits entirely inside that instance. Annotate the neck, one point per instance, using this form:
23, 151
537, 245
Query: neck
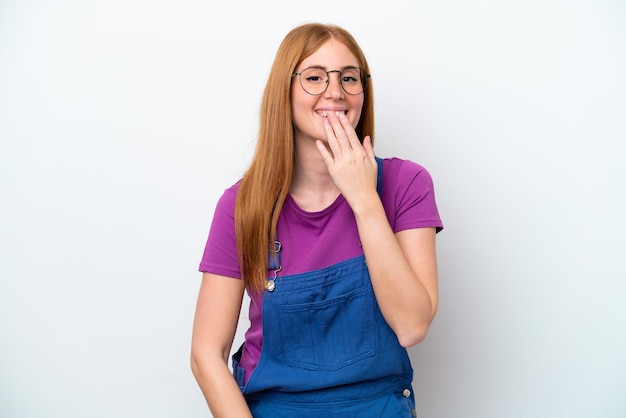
312, 187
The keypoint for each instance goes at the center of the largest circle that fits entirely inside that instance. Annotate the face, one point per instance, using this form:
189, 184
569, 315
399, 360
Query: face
308, 110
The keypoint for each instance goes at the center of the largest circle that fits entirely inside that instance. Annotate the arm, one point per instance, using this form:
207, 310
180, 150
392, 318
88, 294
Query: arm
215, 323
403, 269
403, 266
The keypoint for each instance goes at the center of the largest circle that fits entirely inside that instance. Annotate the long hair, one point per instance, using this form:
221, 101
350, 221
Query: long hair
266, 183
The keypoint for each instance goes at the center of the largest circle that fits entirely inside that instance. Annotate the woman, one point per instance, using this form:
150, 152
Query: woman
335, 247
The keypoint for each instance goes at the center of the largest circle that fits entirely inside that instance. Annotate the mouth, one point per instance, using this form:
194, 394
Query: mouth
325, 112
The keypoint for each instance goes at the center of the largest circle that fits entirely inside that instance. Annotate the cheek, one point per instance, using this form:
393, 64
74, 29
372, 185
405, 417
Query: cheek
302, 106
355, 121
299, 114
356, 115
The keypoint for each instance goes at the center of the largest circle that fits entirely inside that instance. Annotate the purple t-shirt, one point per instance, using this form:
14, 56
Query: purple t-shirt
313, 240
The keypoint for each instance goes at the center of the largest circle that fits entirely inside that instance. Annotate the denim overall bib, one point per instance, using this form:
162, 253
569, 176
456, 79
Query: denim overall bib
327, 351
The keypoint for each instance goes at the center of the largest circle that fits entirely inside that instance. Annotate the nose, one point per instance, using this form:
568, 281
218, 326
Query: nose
334, 89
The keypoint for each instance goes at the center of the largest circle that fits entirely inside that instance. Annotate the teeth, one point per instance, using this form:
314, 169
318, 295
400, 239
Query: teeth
324, 113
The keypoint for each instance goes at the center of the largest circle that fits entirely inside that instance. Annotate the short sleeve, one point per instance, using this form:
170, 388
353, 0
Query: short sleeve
220, 251
409, 196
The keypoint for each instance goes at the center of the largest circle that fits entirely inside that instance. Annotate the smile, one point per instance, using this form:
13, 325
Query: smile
324, 112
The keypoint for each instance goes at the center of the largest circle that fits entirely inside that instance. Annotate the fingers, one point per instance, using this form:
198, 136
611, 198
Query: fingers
352, 165
326, 155
369, 149
333, 141
340, 134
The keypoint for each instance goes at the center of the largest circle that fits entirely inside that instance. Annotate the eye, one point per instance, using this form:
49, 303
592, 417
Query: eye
314, 79
351, 75
314, 75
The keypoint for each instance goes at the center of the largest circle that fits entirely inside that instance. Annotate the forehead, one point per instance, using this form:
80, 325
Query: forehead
331, 55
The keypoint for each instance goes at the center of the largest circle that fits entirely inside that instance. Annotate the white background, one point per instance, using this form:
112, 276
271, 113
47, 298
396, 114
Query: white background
122, 121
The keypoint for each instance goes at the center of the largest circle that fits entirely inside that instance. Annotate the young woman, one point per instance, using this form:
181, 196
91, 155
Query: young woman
335, 247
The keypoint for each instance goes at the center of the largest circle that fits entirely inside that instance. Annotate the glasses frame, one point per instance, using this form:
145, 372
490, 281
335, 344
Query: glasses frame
366, 77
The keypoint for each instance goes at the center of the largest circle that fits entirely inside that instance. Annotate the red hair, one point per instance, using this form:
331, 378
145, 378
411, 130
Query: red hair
266, 183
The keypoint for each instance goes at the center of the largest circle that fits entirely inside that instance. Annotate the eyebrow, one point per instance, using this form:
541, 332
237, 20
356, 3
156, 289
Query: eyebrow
322, 67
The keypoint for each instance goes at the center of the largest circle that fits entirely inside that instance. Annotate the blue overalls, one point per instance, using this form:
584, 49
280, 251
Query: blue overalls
327, 350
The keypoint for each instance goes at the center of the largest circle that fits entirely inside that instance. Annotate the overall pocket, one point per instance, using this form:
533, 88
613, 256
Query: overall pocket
329, 334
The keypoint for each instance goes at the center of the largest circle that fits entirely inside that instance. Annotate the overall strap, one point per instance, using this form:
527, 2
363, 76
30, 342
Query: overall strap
379, 180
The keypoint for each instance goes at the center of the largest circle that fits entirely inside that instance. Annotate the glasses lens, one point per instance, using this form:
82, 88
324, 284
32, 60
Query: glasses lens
314, 80
352, 80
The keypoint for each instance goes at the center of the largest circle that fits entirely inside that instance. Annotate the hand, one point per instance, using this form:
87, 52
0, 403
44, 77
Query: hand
351, 165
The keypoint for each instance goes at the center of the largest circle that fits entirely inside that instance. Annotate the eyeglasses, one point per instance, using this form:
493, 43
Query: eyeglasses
314, 80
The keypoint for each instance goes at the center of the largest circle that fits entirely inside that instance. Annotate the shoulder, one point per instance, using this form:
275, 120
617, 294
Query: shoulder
232, 190
229, 196
397, 164
400, 171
